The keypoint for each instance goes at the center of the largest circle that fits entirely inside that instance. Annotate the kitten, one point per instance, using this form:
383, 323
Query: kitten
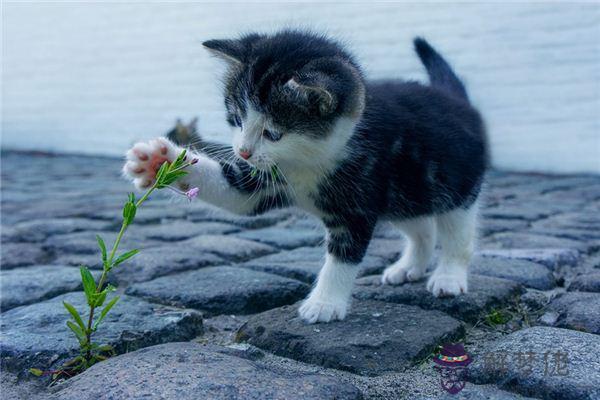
184, 135
348, 150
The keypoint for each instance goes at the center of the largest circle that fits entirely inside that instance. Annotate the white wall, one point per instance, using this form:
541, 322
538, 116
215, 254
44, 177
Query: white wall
93, 77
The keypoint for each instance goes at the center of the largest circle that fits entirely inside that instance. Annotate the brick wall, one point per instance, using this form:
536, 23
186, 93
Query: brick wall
96, 77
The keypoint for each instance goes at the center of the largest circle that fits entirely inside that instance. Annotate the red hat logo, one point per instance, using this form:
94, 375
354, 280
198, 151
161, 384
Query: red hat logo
451, 364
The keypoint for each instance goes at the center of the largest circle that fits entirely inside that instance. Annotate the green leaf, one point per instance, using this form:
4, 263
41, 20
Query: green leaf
171, 177
77, 331
125, 256
253, 173
105, 311
36, 372
131, 197
99, 298
74, 314
102, 246
179, 160
161, 172
89, 285
106, 348
73, 361
129, 211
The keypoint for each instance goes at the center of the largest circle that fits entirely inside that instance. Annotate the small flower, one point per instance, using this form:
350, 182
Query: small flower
192, 193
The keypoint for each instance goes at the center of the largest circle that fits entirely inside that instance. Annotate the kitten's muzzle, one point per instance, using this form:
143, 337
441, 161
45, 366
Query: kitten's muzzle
245, 154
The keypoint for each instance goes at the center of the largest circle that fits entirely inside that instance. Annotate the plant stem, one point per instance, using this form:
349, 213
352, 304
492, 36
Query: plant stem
88, 332
108, 266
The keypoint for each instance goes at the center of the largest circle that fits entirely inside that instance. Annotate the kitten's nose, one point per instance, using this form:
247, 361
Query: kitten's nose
245, 154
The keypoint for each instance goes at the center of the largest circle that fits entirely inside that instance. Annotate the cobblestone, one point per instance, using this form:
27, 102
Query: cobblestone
538, 260
222, 290
375, 337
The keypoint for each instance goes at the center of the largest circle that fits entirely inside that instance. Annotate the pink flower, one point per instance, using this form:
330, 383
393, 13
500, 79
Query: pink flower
192, 193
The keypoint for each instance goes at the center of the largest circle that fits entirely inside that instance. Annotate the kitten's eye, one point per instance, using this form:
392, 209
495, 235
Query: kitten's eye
272, 136
237, 120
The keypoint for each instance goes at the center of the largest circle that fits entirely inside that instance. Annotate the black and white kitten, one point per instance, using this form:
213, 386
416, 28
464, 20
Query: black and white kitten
350, 151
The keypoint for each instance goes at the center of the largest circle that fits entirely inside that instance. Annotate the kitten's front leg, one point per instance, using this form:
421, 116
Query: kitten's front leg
330, 298
144, 160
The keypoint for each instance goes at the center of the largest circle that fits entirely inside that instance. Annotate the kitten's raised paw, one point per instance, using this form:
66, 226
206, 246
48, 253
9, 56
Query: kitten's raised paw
315, 310
145, 158
397, 275
447, 284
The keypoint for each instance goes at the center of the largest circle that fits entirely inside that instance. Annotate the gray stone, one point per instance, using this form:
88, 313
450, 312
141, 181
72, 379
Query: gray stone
375, 337
553, 258
204, 212
164, 260
36, 335
578, 310
21, 286
388, 249
503, 179
586, 282
295, 255
485, 293
20, 254
304, 264
86, 243
535, 299
220, 290
519, 211
147, 214
181, 230
509, 240
568, 233
305, 271
283, 237
489, 226
479, 392
581, 220
525, 272
228, 247
39, 230
549, 318
302, 220
191, 371
577, 377
387, 230
92, 261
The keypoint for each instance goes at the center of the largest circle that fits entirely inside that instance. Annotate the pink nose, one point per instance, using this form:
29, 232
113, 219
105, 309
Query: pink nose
245, 154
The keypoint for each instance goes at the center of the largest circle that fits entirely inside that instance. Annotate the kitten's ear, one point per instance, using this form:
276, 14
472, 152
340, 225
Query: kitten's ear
179, 127
314, 92
231, 51
193, 125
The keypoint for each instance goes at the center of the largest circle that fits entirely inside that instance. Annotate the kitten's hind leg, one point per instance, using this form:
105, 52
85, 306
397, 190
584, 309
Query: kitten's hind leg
420, 244
457, 237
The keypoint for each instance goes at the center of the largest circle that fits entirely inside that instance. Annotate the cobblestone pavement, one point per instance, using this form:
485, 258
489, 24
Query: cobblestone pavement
209, 306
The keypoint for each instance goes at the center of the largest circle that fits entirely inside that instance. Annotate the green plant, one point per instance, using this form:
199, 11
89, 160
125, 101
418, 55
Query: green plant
96, 292
498, 317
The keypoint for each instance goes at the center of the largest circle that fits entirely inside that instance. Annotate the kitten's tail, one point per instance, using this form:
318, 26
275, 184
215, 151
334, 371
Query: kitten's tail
440, 73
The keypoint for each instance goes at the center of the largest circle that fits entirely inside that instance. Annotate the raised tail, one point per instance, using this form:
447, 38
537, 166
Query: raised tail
440, 73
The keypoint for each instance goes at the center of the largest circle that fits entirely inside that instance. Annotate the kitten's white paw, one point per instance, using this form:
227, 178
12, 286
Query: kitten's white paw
145, 158
448, 283
397, 274
315, 310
